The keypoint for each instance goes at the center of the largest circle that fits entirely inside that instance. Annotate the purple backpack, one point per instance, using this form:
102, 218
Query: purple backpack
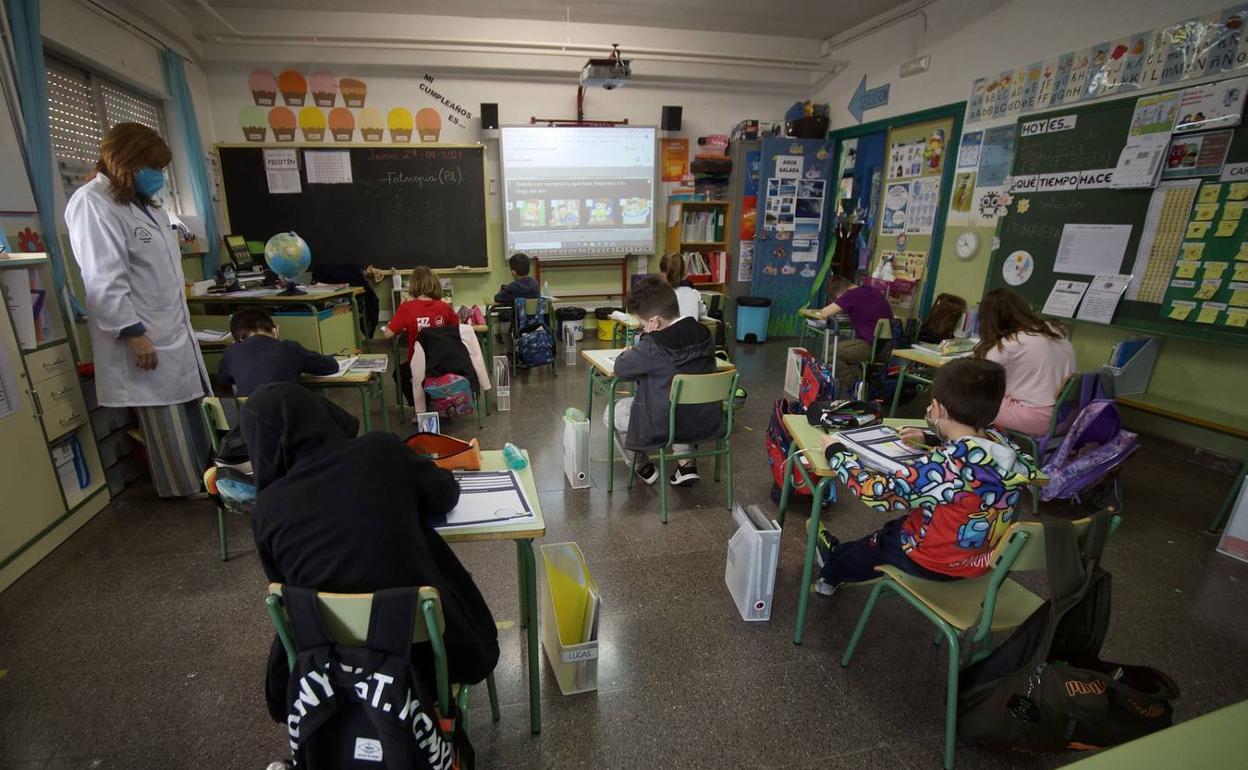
1093, 447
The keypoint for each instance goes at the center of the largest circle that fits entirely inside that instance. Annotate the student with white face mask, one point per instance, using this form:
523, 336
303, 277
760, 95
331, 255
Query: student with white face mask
145, 352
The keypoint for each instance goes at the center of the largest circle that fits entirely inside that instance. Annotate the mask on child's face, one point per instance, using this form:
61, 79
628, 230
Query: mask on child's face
932, 422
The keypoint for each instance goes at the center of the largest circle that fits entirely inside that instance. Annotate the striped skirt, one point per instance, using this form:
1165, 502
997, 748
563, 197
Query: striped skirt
177, 447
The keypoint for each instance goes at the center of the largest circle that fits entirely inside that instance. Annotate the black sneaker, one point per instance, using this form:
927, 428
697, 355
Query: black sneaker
824, 545
685, 474
648, 473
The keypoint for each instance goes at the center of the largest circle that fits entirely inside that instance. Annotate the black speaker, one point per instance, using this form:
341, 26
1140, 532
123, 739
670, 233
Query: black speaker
489, 115
671, 118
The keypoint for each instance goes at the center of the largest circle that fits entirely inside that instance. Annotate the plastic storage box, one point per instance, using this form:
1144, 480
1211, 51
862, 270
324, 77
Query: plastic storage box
568, 587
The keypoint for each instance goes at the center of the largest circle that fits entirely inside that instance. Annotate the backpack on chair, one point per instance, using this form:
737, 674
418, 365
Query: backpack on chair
535, 342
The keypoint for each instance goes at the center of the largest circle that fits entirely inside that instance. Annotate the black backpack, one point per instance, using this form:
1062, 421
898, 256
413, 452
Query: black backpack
365, 706
1046, 688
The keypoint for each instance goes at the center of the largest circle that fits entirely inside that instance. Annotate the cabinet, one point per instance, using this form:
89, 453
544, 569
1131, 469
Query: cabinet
51, 477
698, 231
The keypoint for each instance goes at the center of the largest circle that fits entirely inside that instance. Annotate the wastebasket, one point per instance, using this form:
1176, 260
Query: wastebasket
752, 316
606, 324
574, 317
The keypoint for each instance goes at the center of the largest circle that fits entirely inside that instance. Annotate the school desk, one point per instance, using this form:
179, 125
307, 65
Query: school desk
625, 332
367, 384
322, 330
602, 378
923, 358
1214, 740
523, 534
831, 328
818, 476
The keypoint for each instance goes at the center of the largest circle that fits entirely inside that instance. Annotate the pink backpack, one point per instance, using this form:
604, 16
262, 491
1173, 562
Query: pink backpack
449, 394
471, 315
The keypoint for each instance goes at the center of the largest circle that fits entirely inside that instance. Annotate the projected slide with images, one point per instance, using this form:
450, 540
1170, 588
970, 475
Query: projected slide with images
578, 191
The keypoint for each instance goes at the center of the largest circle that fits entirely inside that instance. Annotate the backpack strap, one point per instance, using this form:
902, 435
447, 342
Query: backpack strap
305, 618
1064, 563
393, 617
1098, 534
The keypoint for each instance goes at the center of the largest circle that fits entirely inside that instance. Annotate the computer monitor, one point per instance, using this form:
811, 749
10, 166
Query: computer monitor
240, 255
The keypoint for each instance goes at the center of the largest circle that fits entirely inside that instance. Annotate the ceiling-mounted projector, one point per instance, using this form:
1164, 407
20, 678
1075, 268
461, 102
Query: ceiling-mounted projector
609, 73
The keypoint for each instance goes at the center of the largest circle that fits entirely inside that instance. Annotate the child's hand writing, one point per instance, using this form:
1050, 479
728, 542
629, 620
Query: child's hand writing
912, 435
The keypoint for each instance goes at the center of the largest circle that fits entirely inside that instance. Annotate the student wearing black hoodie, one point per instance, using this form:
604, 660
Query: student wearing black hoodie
351, 515
522, 286
669, 345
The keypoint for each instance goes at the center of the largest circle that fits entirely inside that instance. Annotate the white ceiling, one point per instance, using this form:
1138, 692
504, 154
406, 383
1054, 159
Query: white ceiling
815, 19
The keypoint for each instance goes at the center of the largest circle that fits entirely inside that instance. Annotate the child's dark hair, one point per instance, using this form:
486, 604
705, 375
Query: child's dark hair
519, 264
942, 319
971, 390
250, 320
653, 297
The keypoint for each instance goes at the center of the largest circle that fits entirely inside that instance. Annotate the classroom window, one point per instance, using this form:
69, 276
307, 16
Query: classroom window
82, 107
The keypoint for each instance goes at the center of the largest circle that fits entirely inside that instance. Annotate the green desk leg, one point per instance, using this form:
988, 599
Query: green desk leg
355, 319
489, 355
528, 586
365, 392
398, 388
589, 399
901, 381
1219, 518
381, 401
611, 434
812, 535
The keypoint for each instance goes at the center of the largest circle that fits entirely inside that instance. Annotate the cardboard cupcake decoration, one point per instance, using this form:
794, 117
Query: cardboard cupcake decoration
372, 126
293, 87
400, 124
312, 124
263, 88
324, 88
282, 121
341, 124
353, 92
428, 124
255, 123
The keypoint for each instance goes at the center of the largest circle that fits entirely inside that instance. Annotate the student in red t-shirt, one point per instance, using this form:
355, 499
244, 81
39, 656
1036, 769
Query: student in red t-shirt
423, 311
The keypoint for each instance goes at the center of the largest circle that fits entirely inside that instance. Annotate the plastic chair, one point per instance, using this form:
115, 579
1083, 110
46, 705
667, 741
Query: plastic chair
217, 423
1063, 415
530, 310
990, 604
346, 617
887, 330
696, 389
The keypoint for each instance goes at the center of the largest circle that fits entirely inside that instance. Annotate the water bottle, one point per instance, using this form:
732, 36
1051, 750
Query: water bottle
972, 325
514, 457
545, 288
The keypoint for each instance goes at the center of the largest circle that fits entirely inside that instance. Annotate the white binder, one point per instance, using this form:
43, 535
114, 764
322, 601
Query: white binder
576, 448
753, 553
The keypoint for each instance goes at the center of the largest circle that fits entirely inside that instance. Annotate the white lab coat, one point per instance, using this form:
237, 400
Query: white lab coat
131, 267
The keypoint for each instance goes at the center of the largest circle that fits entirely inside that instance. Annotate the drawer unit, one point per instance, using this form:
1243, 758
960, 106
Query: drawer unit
45, 364
62, 416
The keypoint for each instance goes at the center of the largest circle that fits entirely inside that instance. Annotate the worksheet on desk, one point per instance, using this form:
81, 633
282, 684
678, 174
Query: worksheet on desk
488, 497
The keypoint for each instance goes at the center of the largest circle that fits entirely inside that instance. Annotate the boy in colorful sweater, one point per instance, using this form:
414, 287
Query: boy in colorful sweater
958, 499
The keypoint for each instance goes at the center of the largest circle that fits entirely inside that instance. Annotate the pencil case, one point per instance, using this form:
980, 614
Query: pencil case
447, 452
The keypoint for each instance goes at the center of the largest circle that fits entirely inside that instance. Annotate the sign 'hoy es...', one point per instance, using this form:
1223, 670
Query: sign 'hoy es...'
1049, 125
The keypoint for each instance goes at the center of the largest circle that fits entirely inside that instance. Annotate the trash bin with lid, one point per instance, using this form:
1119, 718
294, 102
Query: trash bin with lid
752, 316
606, 325
574, 318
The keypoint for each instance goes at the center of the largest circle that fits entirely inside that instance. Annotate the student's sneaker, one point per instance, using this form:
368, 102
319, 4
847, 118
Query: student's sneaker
824, 544
824, 588
686, 473
648, 473
279, 766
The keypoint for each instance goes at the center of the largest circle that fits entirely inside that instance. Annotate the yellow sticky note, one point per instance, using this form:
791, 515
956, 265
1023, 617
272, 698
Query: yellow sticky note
1204, 212
1237, 318
1214, 270
1196, 230
1226, 228
1207, 289
1180, 312
1239, 298
1238, 192
1186, 270
1241, 273
1207, 315
1192, 251
1209, 193
1243, 250
1232, 210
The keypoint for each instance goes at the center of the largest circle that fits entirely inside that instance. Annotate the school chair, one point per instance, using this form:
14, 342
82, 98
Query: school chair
217, 422
531, 310
887, 332
1040, 447
346, 618
991, 603
695, 389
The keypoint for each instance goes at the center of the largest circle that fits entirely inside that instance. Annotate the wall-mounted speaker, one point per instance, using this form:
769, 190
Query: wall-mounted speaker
489, 115
671, 118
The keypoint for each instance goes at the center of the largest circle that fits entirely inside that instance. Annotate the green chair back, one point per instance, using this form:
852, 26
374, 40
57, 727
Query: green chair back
215, 420
1030, 556
703, 388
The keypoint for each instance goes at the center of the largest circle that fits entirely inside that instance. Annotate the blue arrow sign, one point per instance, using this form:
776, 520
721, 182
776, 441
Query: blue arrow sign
864, 100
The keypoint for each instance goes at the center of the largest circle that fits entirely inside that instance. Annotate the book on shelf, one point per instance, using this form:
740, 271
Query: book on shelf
706, 266
703, 226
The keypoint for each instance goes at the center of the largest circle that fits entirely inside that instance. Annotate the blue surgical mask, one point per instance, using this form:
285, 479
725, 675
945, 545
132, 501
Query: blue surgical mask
148, 181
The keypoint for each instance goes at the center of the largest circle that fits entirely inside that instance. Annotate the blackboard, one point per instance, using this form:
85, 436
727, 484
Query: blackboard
405, 206
1094, 143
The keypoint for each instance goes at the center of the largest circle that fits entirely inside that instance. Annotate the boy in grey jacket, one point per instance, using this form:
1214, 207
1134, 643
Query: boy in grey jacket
669, 345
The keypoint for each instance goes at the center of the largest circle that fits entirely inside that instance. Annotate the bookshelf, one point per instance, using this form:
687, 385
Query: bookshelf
698, 231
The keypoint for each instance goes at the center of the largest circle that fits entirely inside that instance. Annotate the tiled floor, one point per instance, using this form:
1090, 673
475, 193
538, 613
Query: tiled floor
133, 647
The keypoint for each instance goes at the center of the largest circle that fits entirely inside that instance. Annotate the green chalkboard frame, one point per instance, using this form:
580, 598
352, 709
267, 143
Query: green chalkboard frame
1099, 135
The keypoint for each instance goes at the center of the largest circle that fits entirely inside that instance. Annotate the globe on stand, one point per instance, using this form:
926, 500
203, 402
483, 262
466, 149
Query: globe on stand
288, 255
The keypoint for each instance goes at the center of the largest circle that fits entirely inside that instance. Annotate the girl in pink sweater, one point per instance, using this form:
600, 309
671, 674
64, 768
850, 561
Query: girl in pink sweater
1036, 355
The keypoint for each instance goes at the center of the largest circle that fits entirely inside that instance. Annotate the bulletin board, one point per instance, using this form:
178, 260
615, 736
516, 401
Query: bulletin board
1072, 163
915, 159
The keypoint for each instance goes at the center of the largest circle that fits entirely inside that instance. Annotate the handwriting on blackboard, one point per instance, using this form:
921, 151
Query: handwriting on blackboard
445, 176
413, 153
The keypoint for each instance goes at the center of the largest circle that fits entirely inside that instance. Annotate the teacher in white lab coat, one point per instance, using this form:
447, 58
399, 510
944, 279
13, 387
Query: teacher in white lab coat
146, 356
